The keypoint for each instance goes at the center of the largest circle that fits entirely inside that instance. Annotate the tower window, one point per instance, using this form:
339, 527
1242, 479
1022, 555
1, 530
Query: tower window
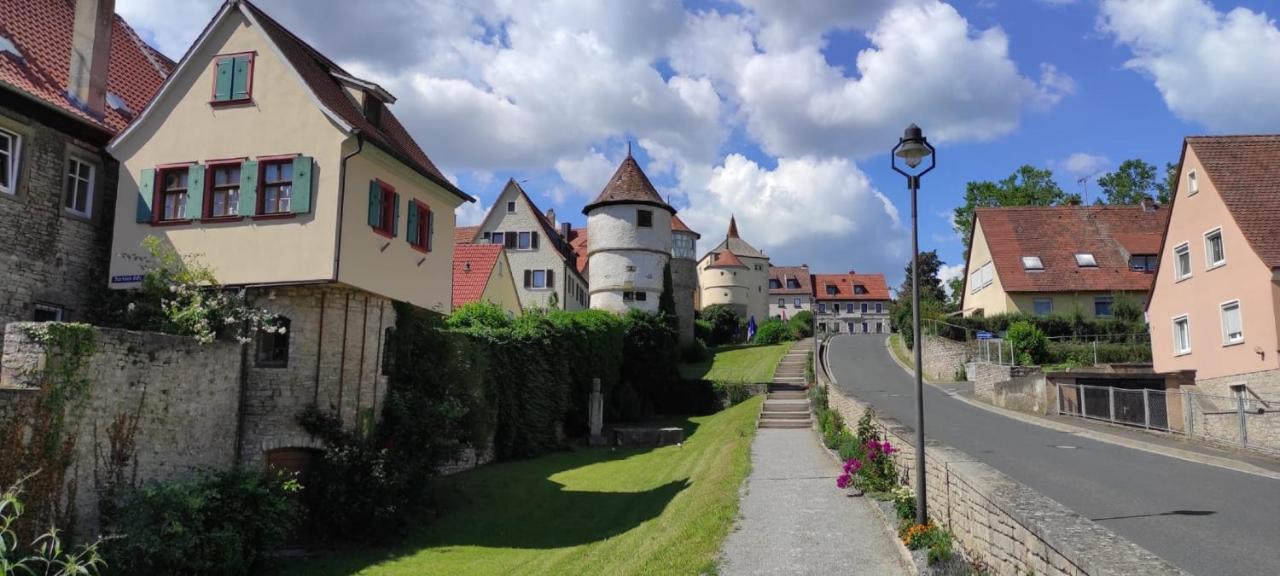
644, 218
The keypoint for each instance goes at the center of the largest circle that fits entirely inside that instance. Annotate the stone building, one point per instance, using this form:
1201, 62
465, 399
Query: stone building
851, 303
736, 274
293, 180
542, 260
72, 75
629, 242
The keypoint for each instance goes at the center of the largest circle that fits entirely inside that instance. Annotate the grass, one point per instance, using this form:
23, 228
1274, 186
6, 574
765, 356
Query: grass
591, 511
900, 350
742, 363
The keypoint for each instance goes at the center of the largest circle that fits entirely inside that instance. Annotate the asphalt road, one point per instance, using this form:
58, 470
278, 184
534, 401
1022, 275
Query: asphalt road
1207, 520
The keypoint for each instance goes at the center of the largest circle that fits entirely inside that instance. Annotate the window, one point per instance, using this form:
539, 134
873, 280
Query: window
173, 193
277, 188
539, 278
635, 296
822, 307
1181, 336
232, 78
835, 327
849, 308
495, 238
793, 284
48, 313
832, 289
79, 190
525, 241
1182, 260
1232, 327
1102, 306
797, 302
1086, 260
421, 226
879, 327
864, 328
644, 218
511, 207
224, 190
1042, 306
759, 267
859, 289
1193, 183
879, 307
1144, 262
1213, 251
10, 148
980, 278
273, 347
782, 302
1032, 263
774, 284
384, 209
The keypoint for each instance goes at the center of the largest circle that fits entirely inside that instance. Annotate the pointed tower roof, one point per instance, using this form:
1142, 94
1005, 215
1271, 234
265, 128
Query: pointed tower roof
733, 227
735, 244
629, 185
678, 225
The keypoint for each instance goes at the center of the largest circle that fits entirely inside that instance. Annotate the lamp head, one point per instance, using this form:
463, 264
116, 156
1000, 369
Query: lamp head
912, 147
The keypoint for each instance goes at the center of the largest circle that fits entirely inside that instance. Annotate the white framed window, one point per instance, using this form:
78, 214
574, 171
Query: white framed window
1182, 261
1042, 306
1193, 183
10, 154
78, 192
879, 307
1232, 323
1032, 263
1214, 253
1181, 335
782, 302
1086, 260
797, 302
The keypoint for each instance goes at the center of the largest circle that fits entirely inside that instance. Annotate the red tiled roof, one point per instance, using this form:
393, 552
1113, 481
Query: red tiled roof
629, 185
725, 259
42, 31
844, 283
472, 267
465, 234
798, 273
1245, 170
678, 225
1056, 234
578, 241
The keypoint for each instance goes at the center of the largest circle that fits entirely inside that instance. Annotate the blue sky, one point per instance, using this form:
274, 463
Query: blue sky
783, 113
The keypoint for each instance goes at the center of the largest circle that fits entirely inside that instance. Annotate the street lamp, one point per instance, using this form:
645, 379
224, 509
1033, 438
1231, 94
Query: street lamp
913, 148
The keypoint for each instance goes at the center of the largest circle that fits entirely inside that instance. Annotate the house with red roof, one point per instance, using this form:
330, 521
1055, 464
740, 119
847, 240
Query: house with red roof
72, 75
1215, 304
851, 303
790, 290
481, 273
293, 179
1061, 259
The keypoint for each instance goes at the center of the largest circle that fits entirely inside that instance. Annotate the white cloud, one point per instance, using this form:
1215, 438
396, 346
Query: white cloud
1081, 164
587, 174
947, 272
471, 213
1210, 67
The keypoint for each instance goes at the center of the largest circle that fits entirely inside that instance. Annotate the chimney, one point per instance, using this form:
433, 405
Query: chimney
565, 227
1149, 205
90, 54
551, 215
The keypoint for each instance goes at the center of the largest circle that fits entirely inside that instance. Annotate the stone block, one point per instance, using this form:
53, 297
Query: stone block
648, 436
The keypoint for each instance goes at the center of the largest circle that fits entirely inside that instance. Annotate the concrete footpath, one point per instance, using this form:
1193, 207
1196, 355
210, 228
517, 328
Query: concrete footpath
794, 520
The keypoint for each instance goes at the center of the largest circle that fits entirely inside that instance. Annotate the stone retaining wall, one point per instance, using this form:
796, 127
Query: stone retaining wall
943, 357
1008, 526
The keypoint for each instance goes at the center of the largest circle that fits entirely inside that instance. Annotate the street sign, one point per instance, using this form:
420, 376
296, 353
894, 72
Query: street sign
984, 335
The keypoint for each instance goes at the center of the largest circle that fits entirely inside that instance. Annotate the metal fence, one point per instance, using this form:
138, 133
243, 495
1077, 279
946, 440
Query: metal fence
1084, 350
1243, 420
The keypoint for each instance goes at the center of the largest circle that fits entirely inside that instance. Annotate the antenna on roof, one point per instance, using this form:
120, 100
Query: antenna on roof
1084, 183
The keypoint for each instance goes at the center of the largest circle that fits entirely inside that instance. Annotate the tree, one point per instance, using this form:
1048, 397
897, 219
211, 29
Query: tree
957, 290
1164, 190
930, 284
1131, 183
1028, 186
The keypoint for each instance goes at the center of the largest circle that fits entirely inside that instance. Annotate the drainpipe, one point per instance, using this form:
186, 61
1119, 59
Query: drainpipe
342, 196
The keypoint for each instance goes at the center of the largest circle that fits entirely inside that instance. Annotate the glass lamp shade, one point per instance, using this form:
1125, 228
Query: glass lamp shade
913, 151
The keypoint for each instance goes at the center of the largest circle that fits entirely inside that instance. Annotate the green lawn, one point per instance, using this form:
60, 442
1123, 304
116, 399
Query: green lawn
592, 511
744, 363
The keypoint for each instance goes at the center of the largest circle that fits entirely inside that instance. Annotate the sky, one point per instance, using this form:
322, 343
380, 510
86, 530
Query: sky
783, 113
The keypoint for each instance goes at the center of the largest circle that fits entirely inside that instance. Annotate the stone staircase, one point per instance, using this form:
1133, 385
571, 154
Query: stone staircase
787, 405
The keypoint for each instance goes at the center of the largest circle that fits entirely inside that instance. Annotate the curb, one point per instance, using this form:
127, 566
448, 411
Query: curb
1178, 453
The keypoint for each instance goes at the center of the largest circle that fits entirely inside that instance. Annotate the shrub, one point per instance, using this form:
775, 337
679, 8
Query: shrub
695, 352
734, 393
725, 324
479, 315
847, 445
1028, 342
773, 331
222, 523
45, 555
703, 330
904, 502
832, 426
802, 324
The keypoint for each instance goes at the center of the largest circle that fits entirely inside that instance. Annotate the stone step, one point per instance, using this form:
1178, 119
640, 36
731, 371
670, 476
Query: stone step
767, 415
788, 395
789, 374
798, 381
786, 424
801, 408
787, 387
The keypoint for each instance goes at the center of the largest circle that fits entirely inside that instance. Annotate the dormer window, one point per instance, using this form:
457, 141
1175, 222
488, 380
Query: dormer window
832, 289
372, 109
859, 289
774, 284
1032, 263
1086, 260
233, 78
793, 284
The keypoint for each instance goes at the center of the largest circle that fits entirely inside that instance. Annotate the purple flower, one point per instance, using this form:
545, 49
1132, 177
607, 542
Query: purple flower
843, 481
887, 448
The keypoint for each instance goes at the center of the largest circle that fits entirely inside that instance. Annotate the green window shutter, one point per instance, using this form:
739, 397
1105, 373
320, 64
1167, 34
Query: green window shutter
395, 214
301, 199
195, 192
431, 228
223, 71
411, 234
375, 204
146, 194
248, 188
240, 78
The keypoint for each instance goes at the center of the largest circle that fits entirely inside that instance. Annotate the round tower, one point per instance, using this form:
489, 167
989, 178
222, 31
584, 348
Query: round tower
736, 274
629, 242
684, 274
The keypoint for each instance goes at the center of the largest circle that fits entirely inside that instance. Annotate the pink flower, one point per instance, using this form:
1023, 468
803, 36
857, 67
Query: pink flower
852, 465
887, 448
843, 481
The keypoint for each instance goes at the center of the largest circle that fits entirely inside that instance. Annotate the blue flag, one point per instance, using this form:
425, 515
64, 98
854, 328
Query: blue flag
751, 328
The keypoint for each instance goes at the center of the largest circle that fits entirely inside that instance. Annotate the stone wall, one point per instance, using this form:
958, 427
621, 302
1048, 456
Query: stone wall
684, 282
1006, 525
1216, 419
1265, 384
49, 256
985, 376
943, 357
1026, 393
185, 397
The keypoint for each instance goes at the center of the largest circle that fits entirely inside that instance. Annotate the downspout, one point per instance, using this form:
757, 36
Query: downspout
342, 200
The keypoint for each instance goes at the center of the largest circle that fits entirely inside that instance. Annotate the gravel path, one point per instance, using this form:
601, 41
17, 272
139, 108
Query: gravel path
795, 521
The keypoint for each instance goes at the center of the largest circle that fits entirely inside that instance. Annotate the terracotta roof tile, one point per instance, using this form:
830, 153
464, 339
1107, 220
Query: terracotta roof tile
783, 273
678, 225
1056, 234
41, 30
472, 267
725, 259
578, 241
465, 234
629, 185
1245, 170
845, 283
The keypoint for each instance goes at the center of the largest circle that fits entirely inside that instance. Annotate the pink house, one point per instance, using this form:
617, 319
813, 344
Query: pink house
1215, 303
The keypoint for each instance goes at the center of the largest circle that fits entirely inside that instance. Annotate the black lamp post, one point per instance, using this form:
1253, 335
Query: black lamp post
913, 148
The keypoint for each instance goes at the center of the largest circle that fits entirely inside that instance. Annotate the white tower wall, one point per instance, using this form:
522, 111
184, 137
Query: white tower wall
624, 257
